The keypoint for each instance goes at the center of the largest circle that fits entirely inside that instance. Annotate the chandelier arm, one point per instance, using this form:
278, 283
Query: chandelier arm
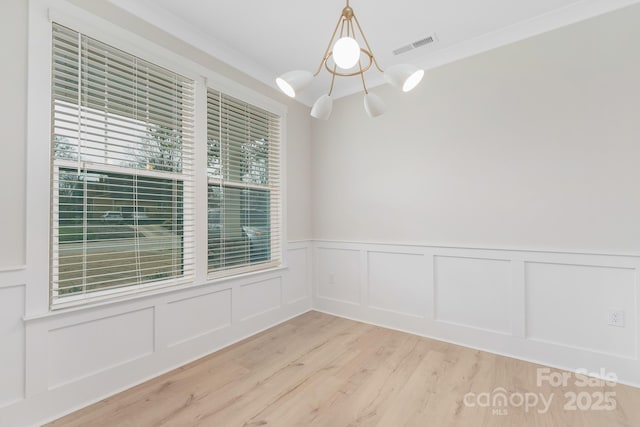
355, 73
333, 79
364, 85
344, 21
326, 52
367, 44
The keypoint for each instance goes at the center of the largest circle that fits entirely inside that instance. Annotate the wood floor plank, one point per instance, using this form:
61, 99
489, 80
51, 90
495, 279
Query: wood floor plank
321, 370
335, 386
370, 396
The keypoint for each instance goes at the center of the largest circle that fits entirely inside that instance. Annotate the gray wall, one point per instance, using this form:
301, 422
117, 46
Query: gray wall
13, 120
534, 145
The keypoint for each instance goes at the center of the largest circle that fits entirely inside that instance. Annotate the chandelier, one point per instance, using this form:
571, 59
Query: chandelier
346, 57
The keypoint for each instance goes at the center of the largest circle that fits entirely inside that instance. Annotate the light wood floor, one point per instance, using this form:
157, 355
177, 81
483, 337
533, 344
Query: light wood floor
322, 370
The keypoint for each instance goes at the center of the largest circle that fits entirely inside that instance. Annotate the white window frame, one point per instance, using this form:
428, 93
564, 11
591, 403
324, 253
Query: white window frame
276, 247
41, 15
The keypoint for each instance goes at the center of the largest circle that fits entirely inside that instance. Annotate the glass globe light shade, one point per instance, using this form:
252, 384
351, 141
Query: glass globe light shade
346, 52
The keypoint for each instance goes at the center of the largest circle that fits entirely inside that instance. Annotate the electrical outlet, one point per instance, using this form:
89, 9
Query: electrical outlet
332, 279
616, 318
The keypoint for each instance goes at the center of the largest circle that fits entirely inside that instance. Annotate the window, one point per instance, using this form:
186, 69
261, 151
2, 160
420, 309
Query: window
122, 171
243, 171
123, 176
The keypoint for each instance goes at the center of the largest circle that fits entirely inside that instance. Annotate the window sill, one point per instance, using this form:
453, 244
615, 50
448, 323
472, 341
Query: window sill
138, 295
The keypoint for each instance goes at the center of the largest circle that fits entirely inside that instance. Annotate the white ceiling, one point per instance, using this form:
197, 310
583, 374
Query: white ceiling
267, 38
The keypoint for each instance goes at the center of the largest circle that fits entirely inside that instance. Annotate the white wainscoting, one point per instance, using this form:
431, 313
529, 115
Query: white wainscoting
257, 298
473, 292
297, 284
405, 273
547, 307
197, 315
342, 281
62, 361
580, 296
81, 350
12, 336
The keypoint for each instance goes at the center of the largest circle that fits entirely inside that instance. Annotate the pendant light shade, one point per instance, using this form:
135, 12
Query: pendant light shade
322, 107
346, 53
404, 76
373, 105
294, 81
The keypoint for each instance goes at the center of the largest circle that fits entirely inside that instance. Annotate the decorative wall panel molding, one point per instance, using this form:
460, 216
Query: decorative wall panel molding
199, 315
257, 298
12, 354
397, 283
569, 305
296, 283
337, 271
473, 292
78, 351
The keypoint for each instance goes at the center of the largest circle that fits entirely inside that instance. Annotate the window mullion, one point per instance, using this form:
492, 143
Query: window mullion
201, 180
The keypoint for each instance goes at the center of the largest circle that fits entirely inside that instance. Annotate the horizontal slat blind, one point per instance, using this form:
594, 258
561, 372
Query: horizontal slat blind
122, 175
244, 224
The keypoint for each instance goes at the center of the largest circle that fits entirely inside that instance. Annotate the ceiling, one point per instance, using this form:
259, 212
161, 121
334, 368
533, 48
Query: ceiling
267, 38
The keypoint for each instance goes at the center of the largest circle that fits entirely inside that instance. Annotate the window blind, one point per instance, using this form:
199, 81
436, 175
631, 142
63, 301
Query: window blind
244, 223
122, 170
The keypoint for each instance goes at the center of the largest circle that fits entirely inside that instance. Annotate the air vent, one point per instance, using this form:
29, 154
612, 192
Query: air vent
403, 49
416, 44
422, 42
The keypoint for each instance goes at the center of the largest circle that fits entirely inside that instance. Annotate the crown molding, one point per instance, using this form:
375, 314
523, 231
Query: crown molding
571, 14
575, 12
183, 30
